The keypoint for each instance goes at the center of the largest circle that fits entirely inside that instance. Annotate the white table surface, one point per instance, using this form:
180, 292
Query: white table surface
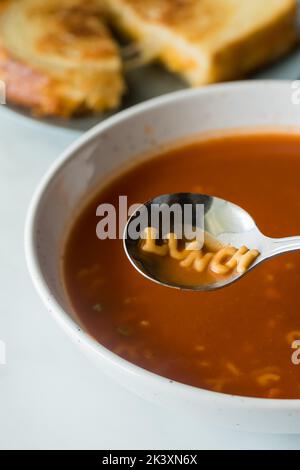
51, 396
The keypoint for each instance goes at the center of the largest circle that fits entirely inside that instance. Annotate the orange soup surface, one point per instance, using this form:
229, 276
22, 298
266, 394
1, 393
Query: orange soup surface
236, 340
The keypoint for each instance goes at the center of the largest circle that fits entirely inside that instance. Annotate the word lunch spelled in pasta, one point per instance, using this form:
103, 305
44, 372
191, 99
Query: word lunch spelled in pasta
213, 256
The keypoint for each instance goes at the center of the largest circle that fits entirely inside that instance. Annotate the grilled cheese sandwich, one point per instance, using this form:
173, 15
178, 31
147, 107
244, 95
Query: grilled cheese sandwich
58, 57
208, 40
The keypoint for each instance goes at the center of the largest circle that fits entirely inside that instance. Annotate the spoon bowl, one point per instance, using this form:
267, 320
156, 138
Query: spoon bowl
226, 222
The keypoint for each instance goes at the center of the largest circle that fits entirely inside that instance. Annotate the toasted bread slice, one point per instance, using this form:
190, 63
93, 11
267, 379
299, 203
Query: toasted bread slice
209, 40
57, 57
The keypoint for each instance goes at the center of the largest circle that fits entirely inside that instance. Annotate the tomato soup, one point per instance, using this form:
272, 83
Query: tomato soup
237, 340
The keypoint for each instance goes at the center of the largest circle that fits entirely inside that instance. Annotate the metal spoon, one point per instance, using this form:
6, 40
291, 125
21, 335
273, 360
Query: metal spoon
225, 221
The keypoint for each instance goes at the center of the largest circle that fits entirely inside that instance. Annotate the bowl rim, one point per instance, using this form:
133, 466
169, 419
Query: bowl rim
65, 320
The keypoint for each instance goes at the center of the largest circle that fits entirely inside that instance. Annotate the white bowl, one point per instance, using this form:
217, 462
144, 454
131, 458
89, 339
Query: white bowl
102, 151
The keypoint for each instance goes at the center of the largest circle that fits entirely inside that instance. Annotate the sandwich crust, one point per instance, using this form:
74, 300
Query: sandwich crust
58, 57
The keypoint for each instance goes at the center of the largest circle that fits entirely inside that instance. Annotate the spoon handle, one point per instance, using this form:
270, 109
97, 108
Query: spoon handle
284, 245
